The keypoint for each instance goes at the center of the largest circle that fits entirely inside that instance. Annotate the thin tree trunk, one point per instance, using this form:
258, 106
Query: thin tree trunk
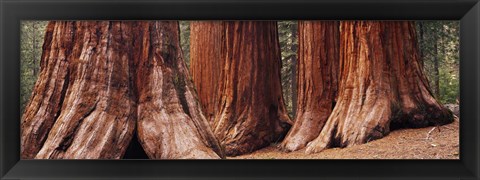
443, 46
317, 81
382, 86
34, 49
251, 112
293, 75
436, 72
97, 78
422, 39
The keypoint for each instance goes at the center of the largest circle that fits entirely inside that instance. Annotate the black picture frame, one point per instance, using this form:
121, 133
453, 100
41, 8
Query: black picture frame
13, 11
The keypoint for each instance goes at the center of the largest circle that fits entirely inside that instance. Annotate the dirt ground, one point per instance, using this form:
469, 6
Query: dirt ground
442, 143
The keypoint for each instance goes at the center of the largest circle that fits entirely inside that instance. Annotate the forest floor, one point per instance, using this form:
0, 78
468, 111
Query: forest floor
443, 143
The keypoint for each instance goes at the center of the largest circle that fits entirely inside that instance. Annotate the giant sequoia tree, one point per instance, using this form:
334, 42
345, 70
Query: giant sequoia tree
101, 81
317, 69
381, 85
249, 112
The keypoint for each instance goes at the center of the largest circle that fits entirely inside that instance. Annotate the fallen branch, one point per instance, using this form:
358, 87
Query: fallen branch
430, 132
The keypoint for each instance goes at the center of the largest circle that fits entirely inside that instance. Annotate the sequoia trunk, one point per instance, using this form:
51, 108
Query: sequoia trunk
95, 116
171, 124
317, 81
381, 86
207, 54
251, 113
49, 90
93, 76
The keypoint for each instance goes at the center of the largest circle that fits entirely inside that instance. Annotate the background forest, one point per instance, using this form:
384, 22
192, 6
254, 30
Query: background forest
438, 40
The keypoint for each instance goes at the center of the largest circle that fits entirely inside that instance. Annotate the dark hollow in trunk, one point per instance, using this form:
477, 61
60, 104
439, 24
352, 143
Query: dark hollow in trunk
381, 86
135, 150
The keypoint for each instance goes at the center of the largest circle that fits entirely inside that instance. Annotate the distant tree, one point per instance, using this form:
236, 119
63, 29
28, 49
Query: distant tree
31, 40
439, 47
287, 32
185, 40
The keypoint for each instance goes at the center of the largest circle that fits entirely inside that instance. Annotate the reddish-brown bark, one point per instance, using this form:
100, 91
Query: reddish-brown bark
97, 116
381, 86
317, 69
45, 103
171, 124
93, 76
207, 54
251, 113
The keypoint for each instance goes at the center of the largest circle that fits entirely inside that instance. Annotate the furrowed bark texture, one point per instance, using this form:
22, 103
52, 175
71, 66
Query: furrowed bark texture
171, 124
207, 61
47, 97
318, 58
381, 86
251, 113
97, 118
94, 74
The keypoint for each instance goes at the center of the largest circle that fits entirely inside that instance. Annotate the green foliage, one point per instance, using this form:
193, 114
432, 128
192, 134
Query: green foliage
439, 43
287, 36
31, 40
185, 40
